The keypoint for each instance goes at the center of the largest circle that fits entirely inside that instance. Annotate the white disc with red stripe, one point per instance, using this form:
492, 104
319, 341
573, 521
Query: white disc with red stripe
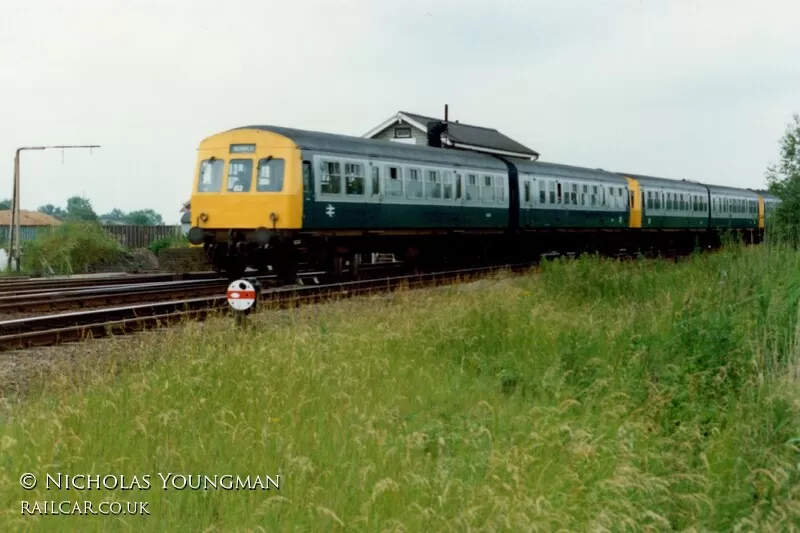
241, 295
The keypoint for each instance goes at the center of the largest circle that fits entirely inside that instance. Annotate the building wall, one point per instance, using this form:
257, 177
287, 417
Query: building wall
419, 138
26, 233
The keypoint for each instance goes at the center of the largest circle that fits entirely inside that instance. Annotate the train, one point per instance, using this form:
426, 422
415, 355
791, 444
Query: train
273, 198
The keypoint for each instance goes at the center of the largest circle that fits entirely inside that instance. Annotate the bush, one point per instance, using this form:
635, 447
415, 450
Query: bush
169, 242
72, 248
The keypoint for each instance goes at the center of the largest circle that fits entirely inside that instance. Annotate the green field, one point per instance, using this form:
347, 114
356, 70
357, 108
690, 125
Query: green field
591, 396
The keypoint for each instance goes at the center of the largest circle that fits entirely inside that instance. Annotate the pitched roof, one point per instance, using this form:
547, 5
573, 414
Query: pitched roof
463, 135
29, 218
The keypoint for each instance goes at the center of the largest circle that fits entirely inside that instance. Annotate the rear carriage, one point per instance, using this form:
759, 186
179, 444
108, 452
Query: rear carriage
733, 208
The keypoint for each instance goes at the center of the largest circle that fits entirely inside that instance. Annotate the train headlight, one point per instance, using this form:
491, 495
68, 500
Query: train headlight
195, 235
262, 235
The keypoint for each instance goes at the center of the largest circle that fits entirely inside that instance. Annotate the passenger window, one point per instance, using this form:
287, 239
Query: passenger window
527, 187
376, 180
433, 188
500, 188
583, 195
331, 180
394, 185
459, 185
552, 186
473, 191
269, 175
574, 194
448, 185
649, 200
413, 183
488, 189
210, 175
354, 179
542, 193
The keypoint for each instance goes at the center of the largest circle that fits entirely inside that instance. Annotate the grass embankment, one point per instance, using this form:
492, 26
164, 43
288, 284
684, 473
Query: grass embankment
595, 396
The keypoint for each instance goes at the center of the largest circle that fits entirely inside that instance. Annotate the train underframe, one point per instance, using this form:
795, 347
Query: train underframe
284, 253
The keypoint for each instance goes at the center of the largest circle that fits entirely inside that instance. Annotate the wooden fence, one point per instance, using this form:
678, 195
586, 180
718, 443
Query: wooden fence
133, 236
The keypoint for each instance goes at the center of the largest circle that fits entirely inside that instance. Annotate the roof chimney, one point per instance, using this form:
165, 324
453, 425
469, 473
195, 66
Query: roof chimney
445, 112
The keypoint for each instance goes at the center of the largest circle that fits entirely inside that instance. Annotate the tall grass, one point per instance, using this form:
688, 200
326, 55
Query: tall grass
593, 396
72, 248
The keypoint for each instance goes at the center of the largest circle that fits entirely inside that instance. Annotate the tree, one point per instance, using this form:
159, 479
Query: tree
80, 208
784, 181
53, 211
5, 205
115, 216
145, 217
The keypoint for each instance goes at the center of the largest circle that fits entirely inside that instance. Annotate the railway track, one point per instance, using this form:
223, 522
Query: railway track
38, 301
30, 301
17, 286
53, 329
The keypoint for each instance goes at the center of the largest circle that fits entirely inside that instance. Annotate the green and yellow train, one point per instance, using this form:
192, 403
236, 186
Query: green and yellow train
272, 196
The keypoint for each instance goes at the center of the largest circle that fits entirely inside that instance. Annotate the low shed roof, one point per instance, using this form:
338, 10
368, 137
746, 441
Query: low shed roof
29, 218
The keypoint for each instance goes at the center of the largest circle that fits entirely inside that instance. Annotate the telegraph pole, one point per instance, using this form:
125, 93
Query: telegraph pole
13, 233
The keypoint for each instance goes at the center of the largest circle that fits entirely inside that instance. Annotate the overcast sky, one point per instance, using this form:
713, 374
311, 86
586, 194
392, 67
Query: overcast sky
679, 88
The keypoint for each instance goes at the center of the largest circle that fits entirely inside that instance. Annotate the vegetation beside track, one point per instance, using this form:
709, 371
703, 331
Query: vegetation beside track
595, 395
72, 248
172, 242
